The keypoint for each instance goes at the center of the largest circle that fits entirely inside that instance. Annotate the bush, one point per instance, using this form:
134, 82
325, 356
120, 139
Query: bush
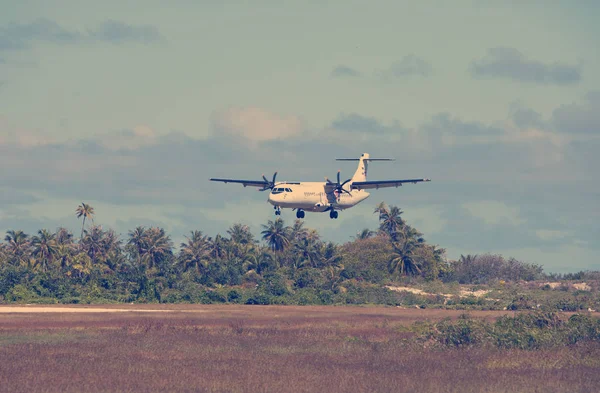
273, 284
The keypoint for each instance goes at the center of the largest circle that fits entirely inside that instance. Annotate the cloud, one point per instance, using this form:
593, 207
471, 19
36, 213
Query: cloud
10, 196
494, 213
20, 36
525, 117
409, 65
344, 71
17, 36
20, 137
118, 32
138, 136
356, 123
256, 124
579, 118
509, 63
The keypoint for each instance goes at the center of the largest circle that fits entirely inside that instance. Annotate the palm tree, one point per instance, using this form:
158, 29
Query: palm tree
93, 243
402, 260
44, 248
17, 245
157, 246
364, 234
297, 231
218, 247
241, 234
64, 236
87, 211
390, 220
241, 240
276, 235
194, 252
309, 250
136, 240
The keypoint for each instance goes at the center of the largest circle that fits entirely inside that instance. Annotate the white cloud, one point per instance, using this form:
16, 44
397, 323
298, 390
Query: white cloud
256, 124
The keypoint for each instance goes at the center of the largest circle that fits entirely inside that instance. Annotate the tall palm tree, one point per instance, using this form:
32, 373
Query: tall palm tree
44, 248
276, 234
86, 211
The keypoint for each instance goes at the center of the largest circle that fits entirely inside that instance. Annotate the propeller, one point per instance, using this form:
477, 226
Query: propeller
339, 186
269, 184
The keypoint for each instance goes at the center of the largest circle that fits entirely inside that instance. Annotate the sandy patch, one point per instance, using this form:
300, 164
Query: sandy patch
463, 292
582, 286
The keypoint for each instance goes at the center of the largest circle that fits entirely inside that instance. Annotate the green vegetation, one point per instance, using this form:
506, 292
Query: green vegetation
535, 330
290, 264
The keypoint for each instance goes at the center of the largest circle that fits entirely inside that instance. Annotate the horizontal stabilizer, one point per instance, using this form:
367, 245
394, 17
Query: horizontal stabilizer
365, 159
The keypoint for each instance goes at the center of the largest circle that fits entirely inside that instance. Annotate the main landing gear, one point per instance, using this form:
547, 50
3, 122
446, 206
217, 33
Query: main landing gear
333, 214
300, 213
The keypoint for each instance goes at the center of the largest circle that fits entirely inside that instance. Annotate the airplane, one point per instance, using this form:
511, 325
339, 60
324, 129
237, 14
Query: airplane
327, 196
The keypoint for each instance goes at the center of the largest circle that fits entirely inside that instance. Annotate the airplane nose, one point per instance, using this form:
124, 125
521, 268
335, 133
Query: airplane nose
274, 198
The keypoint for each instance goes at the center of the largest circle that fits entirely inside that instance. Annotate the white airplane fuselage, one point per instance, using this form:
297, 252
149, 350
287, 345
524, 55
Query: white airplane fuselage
322, 196
313, 197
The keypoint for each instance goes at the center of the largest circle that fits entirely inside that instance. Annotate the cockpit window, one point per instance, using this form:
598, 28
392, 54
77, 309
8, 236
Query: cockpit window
280, 190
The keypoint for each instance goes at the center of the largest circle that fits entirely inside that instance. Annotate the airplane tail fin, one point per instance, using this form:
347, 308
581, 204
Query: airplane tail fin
363, 165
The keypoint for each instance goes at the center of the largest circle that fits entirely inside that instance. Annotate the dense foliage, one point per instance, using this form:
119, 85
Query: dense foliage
289, 265
528, 331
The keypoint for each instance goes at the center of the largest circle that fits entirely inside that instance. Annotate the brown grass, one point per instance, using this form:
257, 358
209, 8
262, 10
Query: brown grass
269, 349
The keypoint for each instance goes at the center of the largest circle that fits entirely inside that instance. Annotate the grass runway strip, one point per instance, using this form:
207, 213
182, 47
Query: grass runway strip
267, 349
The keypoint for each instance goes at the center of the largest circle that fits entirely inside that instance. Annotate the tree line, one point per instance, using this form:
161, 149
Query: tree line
283, 261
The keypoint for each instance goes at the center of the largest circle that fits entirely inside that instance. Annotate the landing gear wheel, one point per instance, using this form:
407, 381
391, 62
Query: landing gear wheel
333, 214
277, 211
300, 213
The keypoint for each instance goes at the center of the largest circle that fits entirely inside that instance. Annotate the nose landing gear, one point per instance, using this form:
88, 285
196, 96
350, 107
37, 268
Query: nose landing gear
277, 210
333, 214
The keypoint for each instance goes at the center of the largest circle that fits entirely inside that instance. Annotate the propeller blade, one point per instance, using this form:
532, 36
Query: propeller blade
274, 176
264, 178
338, 177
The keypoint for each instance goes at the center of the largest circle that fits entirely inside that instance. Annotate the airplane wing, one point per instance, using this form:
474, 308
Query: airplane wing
245, 183
363, 185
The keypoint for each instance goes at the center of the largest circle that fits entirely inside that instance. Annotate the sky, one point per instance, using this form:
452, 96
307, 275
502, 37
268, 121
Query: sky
132, 106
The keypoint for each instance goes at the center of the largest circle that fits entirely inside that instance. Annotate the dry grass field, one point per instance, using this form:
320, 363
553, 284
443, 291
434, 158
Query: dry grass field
268, 349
